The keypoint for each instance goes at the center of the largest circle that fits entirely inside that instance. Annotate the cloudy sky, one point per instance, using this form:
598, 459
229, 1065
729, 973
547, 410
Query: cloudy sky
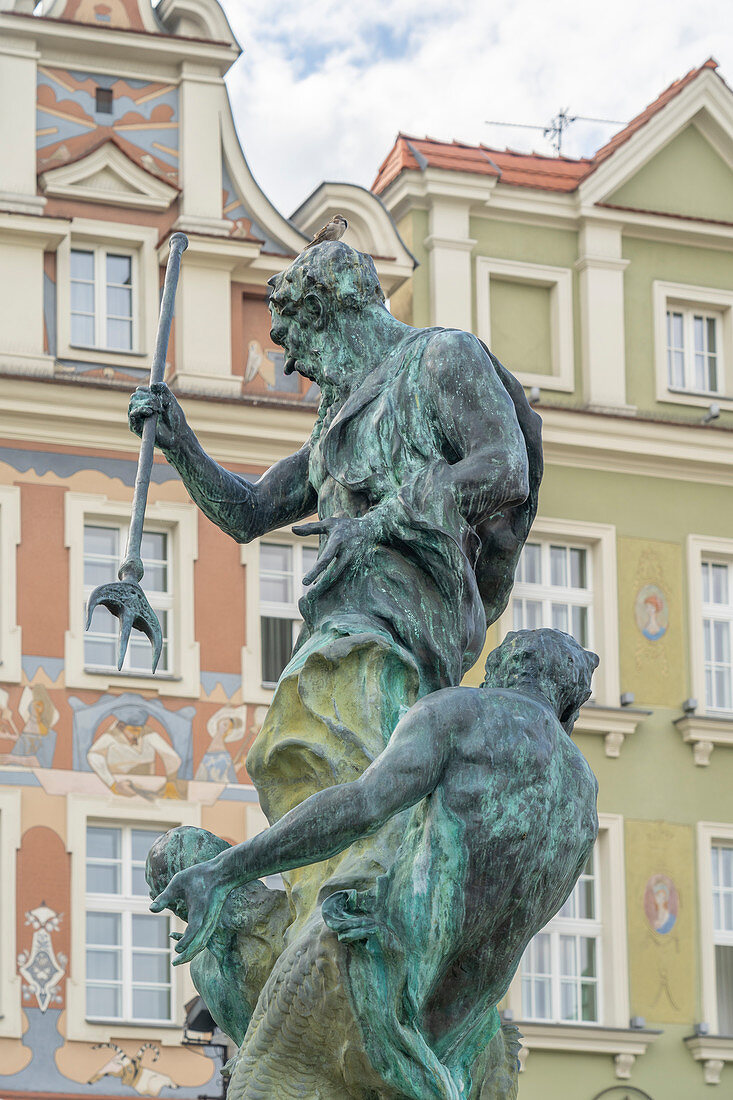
324, 86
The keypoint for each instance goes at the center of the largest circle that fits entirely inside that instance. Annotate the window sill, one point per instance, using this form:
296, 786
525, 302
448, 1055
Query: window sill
115, 1021
94, 350
704, 732
713, 1051
614, 724
623, 1044
138, 674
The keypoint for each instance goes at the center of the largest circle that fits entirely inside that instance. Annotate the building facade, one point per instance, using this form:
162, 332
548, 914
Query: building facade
606, 285
116, 130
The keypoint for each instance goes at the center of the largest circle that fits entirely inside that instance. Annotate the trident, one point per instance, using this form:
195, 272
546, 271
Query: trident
125, 598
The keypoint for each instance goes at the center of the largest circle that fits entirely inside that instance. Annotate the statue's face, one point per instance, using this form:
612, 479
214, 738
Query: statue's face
294, 330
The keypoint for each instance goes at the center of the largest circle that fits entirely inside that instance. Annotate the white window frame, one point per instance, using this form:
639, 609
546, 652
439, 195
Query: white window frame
255, 691
125, 905
700, 548
99, 253
576, 927
708, 834
82, 812
159, 601
180, 521
10, 632
600, 542
120, 238
613, 954
686, 299
11, 1026
548, 593
559, 280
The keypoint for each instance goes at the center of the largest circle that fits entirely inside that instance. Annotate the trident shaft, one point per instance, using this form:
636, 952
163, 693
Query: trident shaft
125, 598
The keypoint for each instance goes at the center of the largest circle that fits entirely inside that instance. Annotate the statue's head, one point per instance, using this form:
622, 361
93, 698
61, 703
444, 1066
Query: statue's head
326, 285
174, 850
545, 661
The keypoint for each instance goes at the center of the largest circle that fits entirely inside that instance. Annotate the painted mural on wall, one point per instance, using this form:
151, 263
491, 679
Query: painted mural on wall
135, 746
142, 119
35, 741
263, 364
661, 904
651, 609
131, 1071
41, 968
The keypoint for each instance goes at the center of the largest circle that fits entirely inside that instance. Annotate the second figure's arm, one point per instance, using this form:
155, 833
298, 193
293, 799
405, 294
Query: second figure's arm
240, 508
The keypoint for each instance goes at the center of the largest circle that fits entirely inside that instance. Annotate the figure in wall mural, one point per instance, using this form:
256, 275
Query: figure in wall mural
130, 1071
35, 743
225, 727
135, 746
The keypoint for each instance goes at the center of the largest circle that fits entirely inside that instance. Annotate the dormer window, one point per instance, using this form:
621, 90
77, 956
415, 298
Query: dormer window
103, 101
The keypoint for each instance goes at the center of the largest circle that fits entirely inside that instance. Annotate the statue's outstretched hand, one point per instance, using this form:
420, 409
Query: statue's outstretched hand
199, 892
157, 400
349, 540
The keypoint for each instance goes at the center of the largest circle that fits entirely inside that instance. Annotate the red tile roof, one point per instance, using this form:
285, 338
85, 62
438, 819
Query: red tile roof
517, 169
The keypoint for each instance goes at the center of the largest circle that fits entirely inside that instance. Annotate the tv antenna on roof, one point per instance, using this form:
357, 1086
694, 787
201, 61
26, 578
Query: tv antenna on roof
555, 129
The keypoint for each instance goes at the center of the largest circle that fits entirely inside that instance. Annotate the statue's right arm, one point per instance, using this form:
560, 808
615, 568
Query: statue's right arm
242, 509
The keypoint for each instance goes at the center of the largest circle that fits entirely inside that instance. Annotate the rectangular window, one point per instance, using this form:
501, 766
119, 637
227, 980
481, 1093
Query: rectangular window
560, 971
282, 568
693, 343
717, 610
128, 958
103, 548
722, 869
553, 588
102, 314
103, 101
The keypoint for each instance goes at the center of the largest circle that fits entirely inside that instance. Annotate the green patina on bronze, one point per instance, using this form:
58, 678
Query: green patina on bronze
424, 831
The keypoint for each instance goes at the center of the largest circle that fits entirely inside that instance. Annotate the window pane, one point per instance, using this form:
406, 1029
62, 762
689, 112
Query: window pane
720, 584
103, 843
99, 572
568, 961
105, 1001
698, 324
589, 1002
142, 842
119, 270
82, 329
724, 988
82, 297
587, 957
155, 578
277, 646
103, 965
103, 928
275, 559
568, 1001
100, 652
712, 335
584, 894
721, 642
310, 557
82, 264
119, 301
532, 561
150, 1004
154, 546
147, 966
558, 566
560, 616
577, 569
119, 334
580, 624
149, 931
101, 541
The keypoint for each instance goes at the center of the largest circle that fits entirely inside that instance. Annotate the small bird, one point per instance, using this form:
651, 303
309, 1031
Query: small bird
332, 231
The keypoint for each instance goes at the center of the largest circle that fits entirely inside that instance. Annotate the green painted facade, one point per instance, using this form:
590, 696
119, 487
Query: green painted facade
659, 787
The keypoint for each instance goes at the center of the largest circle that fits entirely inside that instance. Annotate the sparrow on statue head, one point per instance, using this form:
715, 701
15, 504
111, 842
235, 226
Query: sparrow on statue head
331, 231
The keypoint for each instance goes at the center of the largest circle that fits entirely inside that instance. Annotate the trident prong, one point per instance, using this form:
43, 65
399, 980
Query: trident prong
125, 598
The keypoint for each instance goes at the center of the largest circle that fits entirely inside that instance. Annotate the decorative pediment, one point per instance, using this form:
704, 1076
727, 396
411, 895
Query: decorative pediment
108, 175
679, 157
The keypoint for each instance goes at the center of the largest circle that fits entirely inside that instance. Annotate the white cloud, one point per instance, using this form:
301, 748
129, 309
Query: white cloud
324, 87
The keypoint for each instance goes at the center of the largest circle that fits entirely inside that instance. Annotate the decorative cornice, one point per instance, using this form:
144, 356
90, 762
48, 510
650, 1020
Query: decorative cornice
614, 724
713, 1051
704, 733
623, 1044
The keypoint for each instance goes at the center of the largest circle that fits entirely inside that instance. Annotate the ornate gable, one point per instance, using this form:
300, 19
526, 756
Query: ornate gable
108, 175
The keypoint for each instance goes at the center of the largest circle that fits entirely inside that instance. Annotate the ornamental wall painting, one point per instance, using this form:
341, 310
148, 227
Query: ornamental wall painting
28, 738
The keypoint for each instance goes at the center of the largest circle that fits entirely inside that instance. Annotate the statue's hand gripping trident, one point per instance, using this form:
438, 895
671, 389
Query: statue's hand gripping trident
125, 598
